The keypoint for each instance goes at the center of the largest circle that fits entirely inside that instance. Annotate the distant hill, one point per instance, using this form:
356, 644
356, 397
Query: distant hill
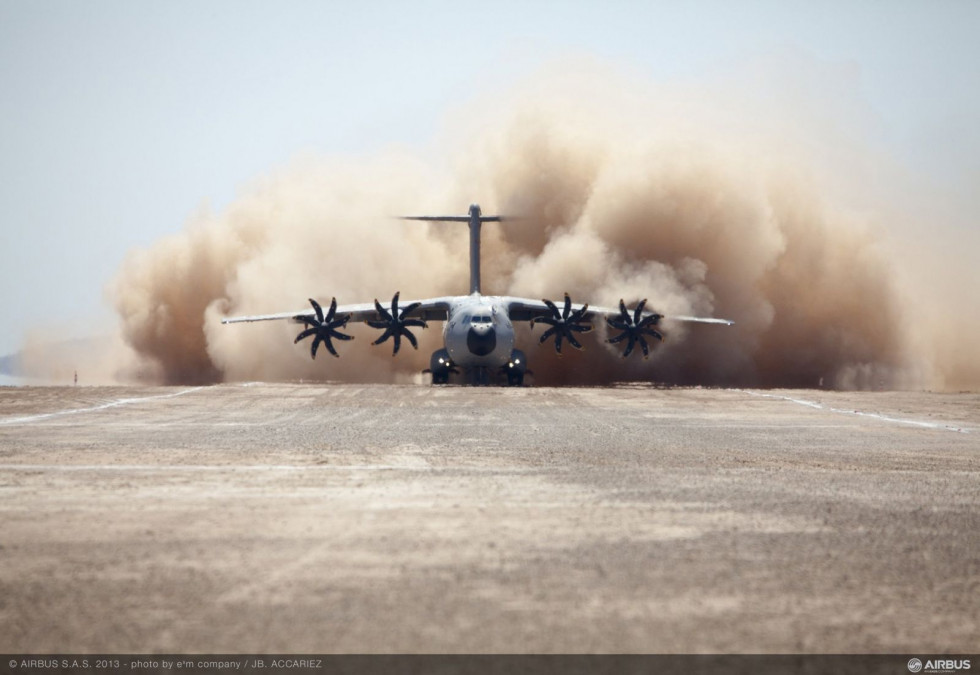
55, 360
10, 364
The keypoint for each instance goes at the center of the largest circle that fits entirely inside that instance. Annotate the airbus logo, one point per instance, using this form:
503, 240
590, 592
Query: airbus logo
938, 665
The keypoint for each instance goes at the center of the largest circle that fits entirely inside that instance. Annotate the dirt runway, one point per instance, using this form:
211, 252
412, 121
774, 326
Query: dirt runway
346, 518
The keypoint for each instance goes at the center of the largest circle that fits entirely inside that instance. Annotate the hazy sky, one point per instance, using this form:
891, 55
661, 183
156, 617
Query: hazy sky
118, 120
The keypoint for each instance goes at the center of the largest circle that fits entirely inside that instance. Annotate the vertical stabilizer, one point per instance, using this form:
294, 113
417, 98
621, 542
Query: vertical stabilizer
475, 221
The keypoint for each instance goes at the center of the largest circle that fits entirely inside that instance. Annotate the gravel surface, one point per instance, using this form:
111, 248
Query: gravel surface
345, 518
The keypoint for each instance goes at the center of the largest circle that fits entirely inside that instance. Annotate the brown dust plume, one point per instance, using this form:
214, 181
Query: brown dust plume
622, 189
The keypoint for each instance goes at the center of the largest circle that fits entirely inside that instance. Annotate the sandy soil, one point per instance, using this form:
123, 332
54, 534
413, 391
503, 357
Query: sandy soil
302, 518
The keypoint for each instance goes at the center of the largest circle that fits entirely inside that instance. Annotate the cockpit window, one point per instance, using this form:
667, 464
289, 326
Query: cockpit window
481, 319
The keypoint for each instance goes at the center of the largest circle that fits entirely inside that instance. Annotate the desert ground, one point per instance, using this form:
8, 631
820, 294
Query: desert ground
294, 518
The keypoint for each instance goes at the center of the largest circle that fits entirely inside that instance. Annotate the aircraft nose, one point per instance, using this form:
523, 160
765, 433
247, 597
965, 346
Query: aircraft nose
481, 339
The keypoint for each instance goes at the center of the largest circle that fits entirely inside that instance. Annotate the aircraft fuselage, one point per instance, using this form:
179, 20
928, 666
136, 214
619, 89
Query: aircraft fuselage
479, 333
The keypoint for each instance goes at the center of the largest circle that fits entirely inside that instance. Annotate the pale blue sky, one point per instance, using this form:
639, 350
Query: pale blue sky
118, 119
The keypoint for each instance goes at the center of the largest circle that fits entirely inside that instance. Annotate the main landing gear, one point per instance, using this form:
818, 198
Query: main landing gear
441, 367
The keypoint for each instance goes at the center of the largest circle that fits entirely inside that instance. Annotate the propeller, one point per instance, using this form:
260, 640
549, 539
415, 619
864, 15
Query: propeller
395, 325
323, 327
634, 328
564, 324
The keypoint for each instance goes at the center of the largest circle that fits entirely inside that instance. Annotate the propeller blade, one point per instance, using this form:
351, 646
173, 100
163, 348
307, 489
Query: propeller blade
577, 316
411, 308
617, 323
382, 311
411, 339
644, 347
652, 333
339, 336
317, 309
339, 323
638, 312
629, 345
651, 320
305, 334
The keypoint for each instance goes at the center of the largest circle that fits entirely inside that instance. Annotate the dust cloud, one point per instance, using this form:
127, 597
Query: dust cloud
697, 197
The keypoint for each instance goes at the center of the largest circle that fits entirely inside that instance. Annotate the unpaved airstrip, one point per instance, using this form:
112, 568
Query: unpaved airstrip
369, 518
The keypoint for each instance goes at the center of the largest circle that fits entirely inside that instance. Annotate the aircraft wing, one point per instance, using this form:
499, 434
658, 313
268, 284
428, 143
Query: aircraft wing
525, 309
429, 309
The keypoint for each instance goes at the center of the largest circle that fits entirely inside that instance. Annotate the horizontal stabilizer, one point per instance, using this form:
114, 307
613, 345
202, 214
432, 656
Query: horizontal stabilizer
454, 219
439, 219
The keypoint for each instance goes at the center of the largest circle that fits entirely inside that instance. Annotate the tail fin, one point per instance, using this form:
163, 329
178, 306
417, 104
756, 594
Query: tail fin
475, 220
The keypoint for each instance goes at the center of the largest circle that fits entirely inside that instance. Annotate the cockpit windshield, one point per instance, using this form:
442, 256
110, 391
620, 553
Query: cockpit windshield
481, 319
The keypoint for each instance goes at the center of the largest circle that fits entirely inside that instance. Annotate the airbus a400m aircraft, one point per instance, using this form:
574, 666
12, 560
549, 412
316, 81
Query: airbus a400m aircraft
478, 335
